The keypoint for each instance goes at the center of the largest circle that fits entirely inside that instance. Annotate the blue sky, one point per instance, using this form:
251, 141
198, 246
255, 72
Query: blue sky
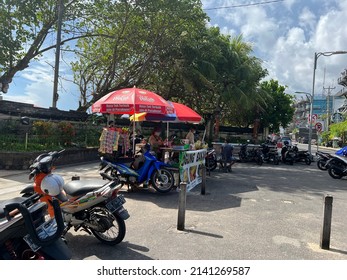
284, 35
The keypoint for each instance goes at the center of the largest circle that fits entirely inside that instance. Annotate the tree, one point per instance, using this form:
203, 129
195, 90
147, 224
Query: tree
141, 49
279, 110
217, 72
25, 27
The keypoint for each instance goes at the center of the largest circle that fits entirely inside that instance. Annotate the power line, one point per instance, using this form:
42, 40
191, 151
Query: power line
244, 5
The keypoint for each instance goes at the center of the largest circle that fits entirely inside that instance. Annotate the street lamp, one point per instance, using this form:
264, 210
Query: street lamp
316, 56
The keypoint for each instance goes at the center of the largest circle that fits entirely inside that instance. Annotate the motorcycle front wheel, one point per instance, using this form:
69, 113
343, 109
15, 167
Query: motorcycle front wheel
211, 164
110, 228
162, 180
334, 173
321, 164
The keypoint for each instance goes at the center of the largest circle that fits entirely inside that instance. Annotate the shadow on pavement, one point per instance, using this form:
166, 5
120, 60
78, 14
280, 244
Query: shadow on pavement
221, 193
94, 249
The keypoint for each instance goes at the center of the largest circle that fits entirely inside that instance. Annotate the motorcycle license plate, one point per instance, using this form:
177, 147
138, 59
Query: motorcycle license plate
114, 204
34, 247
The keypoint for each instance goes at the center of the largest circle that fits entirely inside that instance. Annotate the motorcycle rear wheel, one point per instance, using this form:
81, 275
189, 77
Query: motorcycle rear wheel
332, 172
308, 161
162, 180
112, 228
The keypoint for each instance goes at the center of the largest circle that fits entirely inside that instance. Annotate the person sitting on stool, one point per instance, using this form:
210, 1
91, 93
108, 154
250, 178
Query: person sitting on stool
155, 141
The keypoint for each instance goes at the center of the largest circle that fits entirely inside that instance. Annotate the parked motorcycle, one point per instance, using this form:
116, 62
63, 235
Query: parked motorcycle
250, 155
323, 159
270, 155
27, 234
301, 156
225, 159
211, 162
337, 166
287, 154
145, 170
90, 205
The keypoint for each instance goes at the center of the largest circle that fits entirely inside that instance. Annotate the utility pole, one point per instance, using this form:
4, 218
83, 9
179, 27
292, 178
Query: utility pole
328, 104
60, 10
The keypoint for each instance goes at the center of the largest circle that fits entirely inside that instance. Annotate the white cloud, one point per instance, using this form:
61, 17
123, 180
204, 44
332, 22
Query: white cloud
259, 27
289, 4
307, 18
286, 35
34, 85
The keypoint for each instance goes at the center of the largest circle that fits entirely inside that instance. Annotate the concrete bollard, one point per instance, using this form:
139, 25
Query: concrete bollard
203, 184
327, 215
182, 206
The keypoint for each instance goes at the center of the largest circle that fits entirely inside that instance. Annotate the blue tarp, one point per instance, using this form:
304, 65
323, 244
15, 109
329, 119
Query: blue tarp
342, 151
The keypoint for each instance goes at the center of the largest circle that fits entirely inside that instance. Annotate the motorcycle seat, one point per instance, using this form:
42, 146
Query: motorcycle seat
80, 187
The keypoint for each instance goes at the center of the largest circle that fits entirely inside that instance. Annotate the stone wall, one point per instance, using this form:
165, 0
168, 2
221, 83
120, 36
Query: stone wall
22, 160
11, 108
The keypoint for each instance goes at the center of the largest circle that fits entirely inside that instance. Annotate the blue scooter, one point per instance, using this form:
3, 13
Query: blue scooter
145, 169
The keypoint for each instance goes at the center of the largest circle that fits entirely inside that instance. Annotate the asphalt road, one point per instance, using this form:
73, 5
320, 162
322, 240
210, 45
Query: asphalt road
253, 213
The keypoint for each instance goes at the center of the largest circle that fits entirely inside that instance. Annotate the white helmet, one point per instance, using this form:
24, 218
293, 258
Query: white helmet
52, 184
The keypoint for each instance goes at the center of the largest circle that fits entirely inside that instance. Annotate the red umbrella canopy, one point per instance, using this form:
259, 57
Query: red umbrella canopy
186, 114
131, 101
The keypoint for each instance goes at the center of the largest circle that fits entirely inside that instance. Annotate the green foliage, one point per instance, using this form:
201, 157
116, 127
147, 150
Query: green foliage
43, 128
164, 46
279, 110
25, 27
326, 136
46, 135
337, 129
142, 46
67, 132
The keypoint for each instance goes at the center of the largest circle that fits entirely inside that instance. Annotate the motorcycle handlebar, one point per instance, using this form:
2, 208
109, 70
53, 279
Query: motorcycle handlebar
106, 176
43, 162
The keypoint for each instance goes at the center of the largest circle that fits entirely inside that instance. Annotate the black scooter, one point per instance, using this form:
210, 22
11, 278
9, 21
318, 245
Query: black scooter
323, 159
27, 234
287, 154
250, 155
270, 154
337, 166
301, 156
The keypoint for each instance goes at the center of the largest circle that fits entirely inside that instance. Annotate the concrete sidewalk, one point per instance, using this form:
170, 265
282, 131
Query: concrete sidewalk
253, 213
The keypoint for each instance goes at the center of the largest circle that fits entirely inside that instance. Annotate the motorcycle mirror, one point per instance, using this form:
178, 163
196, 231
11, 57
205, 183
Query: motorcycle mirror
25, 120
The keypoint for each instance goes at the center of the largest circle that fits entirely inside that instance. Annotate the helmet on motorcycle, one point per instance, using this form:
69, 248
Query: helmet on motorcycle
52, 184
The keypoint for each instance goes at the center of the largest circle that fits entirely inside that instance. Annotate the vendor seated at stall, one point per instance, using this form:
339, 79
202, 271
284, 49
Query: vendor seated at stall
155, 141
191, 135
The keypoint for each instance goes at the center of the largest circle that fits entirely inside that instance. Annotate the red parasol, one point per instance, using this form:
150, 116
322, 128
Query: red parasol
131, 101
186, 114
